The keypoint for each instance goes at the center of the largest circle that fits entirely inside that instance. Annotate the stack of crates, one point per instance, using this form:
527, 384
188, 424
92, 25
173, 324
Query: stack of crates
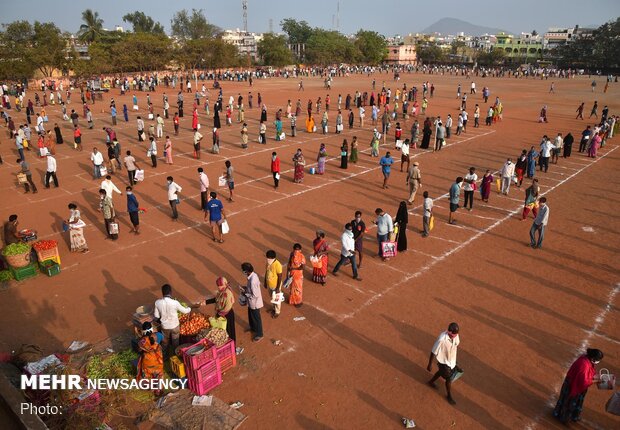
49, 261
21, 273
203, 370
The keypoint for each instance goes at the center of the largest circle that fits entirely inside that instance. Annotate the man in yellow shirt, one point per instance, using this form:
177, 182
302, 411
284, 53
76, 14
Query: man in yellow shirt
273, 280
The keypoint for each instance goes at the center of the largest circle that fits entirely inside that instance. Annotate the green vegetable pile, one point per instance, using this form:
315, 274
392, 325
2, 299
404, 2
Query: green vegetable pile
6, 275
114, 366
16, 249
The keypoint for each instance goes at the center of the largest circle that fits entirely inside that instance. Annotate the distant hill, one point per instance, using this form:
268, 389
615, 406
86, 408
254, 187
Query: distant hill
454, 26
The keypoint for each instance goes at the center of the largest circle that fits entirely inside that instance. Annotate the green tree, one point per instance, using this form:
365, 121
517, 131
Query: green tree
206, 53
430, 53
143, 23
15, 42
141, 52
192, 26
372, 47
273, 50
99, 61
92, 28
492, 58
297, 31
48, 49
330, 47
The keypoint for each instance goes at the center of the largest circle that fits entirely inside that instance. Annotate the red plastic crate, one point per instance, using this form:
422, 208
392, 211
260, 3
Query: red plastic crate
193, 362
227, 356
206, 378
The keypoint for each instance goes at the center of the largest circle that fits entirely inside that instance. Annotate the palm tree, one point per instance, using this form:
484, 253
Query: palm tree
92, 28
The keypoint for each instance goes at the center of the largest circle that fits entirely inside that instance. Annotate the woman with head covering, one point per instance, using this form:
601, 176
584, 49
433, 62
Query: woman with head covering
402, 219
353, 155
321, 248
310, 126
296, 263
580, 376
299, 162
76, 234
224, 300
321, 159
151, 360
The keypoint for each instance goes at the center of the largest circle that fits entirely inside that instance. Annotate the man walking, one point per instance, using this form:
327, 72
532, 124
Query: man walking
385, 227
51, 171
444, 351
255, 301
594, 110
203, 181
348, 251
167, 312
539, 224
359, 230
109, 215
414, 180
455, 195
273, 281
215, 216
507, 172
386, 166
26, 171
130, 164
173, 198
133, 207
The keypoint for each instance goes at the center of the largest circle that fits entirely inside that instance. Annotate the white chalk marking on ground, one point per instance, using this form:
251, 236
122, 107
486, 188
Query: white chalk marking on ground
598, 322
587, 229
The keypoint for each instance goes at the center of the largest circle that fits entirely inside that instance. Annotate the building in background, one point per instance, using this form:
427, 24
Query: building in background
246, 42
525, 48
402, 54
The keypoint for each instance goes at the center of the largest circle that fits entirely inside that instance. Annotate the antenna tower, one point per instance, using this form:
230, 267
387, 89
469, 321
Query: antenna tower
270, 25
245, 15
338, 17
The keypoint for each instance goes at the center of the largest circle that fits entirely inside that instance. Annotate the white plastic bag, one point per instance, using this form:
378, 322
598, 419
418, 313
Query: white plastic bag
139, 177
225, 227
221, 181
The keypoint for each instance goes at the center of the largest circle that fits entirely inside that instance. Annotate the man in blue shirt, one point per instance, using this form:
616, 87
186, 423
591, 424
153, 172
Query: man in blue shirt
386, 163
113, 113
455, 194
214, 215
133, 207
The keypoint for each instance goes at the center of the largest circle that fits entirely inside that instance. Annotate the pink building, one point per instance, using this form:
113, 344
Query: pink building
402, 54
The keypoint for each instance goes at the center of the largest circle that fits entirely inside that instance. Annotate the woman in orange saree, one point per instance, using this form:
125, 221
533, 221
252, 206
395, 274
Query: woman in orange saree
296, 264
319, 274
151, 361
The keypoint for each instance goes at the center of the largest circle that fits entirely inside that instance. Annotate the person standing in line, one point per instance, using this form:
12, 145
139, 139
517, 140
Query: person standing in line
359, 230
255, 301
469, 187
581, 375
568, 145
448, 126
25, 169
539, 224
414, 180
532, 154
131, 166
507, 172
455, 195
224, 301
77, 138
405, 158
401, 220
485, 186
559, 145
321, 159
51, 171
140, 125
440, 134
76, 233
295, 269
521, 167
109, 187
293, 126
347, 252
167, 312
386, 166
125, 113
546, 148
585, 138
273, 281
385, 227
476, 116
176, 121
113, 113
230, 180
215, 216
97, 158
444, 351
168, 150
344, 154
109, 215
531, 200
173, 198
152, 151
427, 214
19, 143
203, 181
133, 207
160, 126
275, 169
321, 253
244, 136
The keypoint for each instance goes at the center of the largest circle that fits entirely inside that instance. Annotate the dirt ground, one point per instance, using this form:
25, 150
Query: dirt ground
358, 360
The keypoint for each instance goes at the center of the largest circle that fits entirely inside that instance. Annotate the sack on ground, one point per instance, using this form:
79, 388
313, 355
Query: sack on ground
135, 107
613, 404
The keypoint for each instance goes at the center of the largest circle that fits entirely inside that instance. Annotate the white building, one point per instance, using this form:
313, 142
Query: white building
246, 43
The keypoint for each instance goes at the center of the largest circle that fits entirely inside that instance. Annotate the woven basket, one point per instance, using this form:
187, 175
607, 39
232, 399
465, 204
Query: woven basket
19, 260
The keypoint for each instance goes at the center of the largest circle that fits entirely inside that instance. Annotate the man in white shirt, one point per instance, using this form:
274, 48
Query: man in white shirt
152, 151
428, 213
539, 224
507, 172
385, 226
97, 158
166, 310
558, 143
203, 181
254, 297
197, 139
469, 187
109, 187
347, 252
160, 126
473, 88
140, 124
546, 147
173, 198
51, 171
444, 351
448, 126
405, 158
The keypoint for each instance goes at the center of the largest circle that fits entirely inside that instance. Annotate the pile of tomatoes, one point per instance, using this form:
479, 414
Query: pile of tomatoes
45, 245
192, 323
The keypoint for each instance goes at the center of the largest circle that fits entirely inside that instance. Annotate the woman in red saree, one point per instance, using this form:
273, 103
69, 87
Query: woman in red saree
321, 248
580, 376
41, 145
151, 361
299, 162
195, 119
296, 264
485, 186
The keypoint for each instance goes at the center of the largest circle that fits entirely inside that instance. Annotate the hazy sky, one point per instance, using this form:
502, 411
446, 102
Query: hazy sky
388, 17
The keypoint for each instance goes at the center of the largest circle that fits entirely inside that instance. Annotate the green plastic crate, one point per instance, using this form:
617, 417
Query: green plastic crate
22, 273
50, 267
